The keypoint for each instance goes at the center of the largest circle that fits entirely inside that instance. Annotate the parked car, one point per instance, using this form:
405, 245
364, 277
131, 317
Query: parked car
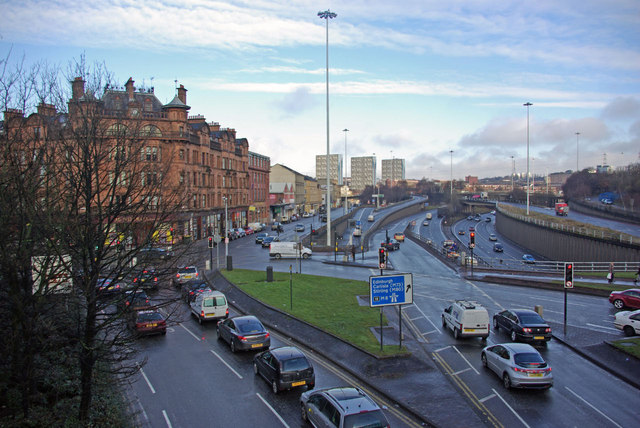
248, 231
341, 407
466, 319
154, 253
148, 322
147, 279
243, 333
193, 287
398, 236
184, 274
299, 228
528, 259
274, 225
498, 248
266, 242
392, 245
519, 365
493, 237
240, 232
260, 237
626, 299
306, 215
284, 368
628, 321
209, 305
522, 325
136, 300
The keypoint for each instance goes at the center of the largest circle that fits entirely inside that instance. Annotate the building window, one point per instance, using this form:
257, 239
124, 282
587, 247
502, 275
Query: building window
181, 154
181, 178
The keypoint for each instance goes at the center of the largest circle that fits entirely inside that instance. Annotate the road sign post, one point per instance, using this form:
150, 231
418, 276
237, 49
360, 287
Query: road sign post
390, 290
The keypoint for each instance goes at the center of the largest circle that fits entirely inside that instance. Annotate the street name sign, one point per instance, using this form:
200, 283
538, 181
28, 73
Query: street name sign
386, 290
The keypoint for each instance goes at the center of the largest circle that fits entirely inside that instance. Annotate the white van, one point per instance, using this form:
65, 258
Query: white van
279, 250
210, 305
429, 215
370, 218
466, 319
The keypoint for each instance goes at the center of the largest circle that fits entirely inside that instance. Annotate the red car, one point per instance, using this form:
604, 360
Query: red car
148, 322
626, 299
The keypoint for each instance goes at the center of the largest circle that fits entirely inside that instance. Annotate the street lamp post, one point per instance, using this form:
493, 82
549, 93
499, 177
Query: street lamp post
577, 152
512, 172
451, 176
226, 229
327, 15
527, 105
345, 130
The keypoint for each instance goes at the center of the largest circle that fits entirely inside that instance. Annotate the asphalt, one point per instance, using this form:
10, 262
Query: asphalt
414, 383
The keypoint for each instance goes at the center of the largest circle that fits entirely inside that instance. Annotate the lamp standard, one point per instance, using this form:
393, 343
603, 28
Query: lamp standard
533, 175
451, 176
327, 15
577, 151
345, 130
512, 171
527, 105
226, 229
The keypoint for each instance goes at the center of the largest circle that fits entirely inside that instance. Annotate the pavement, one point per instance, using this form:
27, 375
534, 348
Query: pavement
404, 380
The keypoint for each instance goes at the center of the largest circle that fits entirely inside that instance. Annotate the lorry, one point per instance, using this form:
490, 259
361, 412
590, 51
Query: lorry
562, 209
429, 216
484, 195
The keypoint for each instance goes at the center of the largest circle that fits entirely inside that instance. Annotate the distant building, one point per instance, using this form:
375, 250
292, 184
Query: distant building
283, 174
259, 167
335, 168
471, 180
393, 169
363, 173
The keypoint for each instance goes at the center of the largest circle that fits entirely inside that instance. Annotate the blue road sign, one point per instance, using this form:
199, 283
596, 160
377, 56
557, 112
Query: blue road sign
388, 290
357, 222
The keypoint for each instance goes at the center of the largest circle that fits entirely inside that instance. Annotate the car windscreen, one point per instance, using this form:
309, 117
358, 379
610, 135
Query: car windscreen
149, 316
214, 301
373, 419
528, 319
187, 270
529, 360
295, 364
250, 327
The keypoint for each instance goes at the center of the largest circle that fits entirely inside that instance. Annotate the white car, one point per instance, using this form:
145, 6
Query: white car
518, 364
493, 237
628, 321
425, 223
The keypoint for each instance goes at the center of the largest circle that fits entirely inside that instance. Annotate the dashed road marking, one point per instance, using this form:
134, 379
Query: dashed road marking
510, 408
593, 407
166, 418
226, 364
272, 410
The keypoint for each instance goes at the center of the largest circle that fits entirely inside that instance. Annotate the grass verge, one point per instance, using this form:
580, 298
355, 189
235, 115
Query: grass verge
328, 303
630, 346
596, 286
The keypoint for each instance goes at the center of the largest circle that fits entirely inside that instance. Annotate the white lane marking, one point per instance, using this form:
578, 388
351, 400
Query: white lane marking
190, 332
429, 332
272, 409
226, 364
431, 322
442, 349
606, 328
464, 358
510, 408
166, 418
153, 391
461, 371
556, 301
413, 319
488, 397
590, 405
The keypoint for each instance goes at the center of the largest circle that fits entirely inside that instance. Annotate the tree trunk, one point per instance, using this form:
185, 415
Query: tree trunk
87, 362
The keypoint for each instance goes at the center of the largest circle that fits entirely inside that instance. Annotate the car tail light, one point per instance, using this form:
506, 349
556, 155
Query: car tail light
227, 311
127, 303
177, 275
244, 339
135, 279
141, 325
155, 279
146, 301
526, 330
547, 330
266, 335
196, 274
202, 314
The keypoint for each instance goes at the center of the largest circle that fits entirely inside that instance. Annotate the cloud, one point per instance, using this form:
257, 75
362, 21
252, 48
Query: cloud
296, 102
622, 108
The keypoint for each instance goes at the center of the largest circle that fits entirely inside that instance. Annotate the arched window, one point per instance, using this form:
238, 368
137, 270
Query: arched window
150, 131
117, 130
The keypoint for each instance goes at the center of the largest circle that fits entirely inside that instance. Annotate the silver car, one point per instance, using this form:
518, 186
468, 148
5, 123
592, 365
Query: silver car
518, 364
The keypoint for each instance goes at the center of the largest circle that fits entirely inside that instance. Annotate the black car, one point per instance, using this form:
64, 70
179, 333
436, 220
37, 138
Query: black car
136, 300
243, 333
147, 279
498, 248
260, 237
266, 242
284, 368
391, 245
522, 325
192, 288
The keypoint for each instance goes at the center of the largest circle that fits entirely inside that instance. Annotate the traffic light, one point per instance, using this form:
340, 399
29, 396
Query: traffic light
382, 258
472, 239
568, 275
210, 242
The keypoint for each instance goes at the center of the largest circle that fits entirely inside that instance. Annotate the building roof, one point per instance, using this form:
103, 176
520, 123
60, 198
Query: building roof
176, 102
288, 169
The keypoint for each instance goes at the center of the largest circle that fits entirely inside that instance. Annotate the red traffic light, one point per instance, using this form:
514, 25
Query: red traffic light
569, 266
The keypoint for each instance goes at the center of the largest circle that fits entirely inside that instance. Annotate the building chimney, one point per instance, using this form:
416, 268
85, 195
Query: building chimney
12, 113
129, 87
46, 109
77, 88
182, 94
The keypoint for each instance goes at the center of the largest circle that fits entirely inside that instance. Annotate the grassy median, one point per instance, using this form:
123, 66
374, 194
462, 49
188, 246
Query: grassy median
328, 303
630, 346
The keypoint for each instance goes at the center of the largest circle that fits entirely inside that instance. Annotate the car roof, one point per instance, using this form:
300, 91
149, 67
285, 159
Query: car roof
637, 290
212, 293
519, 348
352, 400
523, 311
287, 352
244, 319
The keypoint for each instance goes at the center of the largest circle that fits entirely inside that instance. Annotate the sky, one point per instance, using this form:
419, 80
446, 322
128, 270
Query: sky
411, 79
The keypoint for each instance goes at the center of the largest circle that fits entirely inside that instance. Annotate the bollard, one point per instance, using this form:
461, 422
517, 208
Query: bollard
229, 263
538, 309
269, 273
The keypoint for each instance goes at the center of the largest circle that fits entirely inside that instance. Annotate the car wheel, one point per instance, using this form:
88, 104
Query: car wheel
303, 412
629, 331
483, 358
506, 381
232, 345
218, 336
495, 324
444, 323
618, 304
200, 320
274, 386
305, 256
278, 256
456, 333
514, 336
255, 369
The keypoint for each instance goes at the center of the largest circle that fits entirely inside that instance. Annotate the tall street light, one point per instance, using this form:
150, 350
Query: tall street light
451, 176
226, 228
527, 105
577, 151
345, 130
327, 15
513, 170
